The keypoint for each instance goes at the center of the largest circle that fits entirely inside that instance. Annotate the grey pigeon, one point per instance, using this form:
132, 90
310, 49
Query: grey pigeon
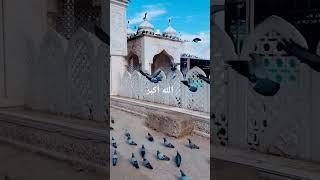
174, 66
256, 73
155, 78
114, 143
143, 151
127, 133
204, 78
191, 87
114, 158
178, 159
150, 138
130, 141
161, 156
192, 145
134, 161
184, 176
303, 54
167, 143
147, 164
196, 40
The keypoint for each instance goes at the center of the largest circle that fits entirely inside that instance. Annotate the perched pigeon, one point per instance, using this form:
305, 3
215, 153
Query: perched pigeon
178, 159
167, 143
205, 79
114, 143
303, 54
150, 138
143, 151
192, 145
111, 128
161, 156
191, 87
112, 121
256, 73
130, 141
147, 164
155, 78
127, 133
134, 161
184, 176
114, 158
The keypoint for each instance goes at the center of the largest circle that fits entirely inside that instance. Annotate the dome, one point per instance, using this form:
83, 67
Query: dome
145, 26
169, 31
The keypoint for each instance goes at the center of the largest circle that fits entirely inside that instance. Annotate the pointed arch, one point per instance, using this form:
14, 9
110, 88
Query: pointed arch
272, 24
162, 61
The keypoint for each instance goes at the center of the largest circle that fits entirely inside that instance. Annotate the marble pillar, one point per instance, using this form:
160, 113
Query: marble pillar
118, 43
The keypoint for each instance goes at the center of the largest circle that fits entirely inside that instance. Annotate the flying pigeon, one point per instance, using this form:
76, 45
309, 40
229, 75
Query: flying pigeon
184, 176
103, 36
305, 56
155, 78
178, 159
161, 156
192, 145
143, 151
256, 74
196, 40
204, 78
192, 88
134, 161
147, 164
150, 138
130, 141
167, 143
127, 133
114, 158
114, 143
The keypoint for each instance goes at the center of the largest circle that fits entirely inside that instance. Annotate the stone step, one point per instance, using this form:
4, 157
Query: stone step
251, 165
68, 139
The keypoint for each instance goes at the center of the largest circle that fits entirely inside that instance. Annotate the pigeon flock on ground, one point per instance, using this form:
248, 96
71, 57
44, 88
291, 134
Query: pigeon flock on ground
159, 155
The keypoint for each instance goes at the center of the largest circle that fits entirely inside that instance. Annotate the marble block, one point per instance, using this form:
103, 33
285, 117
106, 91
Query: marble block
172, 124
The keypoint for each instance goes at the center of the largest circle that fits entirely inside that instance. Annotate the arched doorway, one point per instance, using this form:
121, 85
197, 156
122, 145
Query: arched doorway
162, 61
133, 63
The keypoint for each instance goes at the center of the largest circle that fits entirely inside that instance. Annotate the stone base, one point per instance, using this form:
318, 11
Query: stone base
172, 124
77, 141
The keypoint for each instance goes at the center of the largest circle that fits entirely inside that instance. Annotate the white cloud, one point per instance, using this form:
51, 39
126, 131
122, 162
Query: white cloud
152, 10
200, 49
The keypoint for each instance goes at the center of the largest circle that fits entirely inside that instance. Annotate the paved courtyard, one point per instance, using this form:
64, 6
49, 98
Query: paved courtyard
195, 163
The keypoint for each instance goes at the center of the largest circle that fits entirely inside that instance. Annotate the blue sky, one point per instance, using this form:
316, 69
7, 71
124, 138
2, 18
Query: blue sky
189, 17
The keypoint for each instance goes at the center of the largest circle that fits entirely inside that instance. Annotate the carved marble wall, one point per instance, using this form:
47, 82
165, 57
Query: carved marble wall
71, 77
283, 124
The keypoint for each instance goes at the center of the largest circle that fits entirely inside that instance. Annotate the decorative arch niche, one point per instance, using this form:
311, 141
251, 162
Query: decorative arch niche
162, 61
